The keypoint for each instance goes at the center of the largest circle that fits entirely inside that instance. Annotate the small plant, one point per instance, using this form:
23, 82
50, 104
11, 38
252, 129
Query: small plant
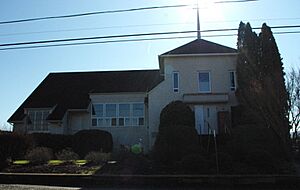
67, 155
97, 157
39, 155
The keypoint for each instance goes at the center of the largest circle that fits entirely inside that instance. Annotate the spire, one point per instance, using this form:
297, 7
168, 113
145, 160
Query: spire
198, 23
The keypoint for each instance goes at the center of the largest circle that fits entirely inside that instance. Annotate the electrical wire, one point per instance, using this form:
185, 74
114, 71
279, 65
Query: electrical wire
129, 40
131, 35
92, 13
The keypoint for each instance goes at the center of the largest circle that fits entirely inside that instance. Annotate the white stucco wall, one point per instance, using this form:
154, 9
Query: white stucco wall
188, 68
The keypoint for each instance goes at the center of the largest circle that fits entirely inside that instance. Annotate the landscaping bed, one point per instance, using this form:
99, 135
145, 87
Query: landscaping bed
64, 167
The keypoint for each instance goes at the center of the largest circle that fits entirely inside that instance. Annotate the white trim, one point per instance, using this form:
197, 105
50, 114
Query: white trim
199, 55
209, 80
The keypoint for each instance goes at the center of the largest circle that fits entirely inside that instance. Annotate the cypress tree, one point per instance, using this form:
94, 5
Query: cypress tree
276, 97
261, 88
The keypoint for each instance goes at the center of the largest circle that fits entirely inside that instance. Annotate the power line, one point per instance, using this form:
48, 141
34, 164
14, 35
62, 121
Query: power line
131, 35
97, 28
112, 11
92, 13
129, 40
138, 25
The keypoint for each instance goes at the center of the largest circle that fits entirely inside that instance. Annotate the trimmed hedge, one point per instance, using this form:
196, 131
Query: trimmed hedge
15, 146
177, 136
86, 141
55, 142
177, 113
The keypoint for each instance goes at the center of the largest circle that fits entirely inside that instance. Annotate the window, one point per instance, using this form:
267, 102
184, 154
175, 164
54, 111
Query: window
37, 120
175, 81
123, 114
204, 82
232, 80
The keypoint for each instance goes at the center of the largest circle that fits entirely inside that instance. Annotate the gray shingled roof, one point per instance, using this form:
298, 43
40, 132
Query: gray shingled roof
200, 46
71, 90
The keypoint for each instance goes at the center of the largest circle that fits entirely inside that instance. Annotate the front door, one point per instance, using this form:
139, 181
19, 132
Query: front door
199, 119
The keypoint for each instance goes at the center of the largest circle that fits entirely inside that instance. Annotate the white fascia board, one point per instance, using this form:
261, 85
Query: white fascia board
199, 55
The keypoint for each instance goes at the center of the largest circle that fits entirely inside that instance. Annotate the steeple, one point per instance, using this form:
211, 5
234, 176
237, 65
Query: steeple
198, 23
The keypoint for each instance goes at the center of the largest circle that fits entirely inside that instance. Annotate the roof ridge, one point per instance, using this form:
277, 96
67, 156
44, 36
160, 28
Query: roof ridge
108, 71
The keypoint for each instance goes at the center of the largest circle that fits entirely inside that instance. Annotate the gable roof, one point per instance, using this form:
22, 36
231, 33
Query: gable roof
63, 91
200, 46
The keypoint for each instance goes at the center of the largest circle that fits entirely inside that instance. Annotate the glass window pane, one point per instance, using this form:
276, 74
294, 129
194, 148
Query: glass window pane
175, 81
107, 122
204, 83
124, 110
141, 121
100, 122
98, 110
111, 110
113, 121
135, 121
94, 122
121, 121
232, 80
138, 110
127, 121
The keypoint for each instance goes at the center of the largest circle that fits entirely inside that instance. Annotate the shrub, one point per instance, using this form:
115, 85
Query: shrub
39, 155
86, 141
262, 161
97, 157
67, 155
13, 146
55, 142
194, 164
177, 113
248, 138
225, 162
175, 143
177, 136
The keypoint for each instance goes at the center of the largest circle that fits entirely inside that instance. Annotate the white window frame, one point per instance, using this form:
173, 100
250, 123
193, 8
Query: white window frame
209, 81
43, 124
130, 117
175, 89
232, 88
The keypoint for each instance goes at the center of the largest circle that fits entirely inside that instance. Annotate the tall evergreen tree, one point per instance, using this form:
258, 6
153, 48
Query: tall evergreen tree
261, 91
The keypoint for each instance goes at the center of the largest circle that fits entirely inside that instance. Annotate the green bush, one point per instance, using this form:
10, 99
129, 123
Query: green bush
39, 155
177, 136
55, 142
225, 162
177, 113
13, 146
67, 155
247, 138
175, 143
195, 164
97, 157
86, 141
262, 161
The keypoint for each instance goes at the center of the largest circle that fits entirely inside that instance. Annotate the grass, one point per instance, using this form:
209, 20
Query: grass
51, 162
55, 162
80, 162
21, 162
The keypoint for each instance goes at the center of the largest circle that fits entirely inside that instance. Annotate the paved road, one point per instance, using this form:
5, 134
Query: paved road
37, 187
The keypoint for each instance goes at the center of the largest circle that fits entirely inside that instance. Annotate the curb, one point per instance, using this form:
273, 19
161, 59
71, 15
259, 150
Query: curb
78, 180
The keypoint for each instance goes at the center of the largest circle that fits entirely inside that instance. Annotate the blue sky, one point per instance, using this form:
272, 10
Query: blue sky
22, 70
